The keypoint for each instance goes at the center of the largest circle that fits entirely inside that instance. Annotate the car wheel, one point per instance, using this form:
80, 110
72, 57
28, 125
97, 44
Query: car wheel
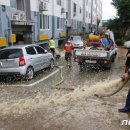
113, 59
108, 67
52, 64
115, 54
81, 67
29, 73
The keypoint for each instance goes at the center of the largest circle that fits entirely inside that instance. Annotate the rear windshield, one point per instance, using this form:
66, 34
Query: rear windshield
10, 53
76, 38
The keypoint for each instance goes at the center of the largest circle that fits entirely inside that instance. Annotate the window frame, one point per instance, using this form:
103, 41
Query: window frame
19, 5
40, 48
12, 3
44, 22
59, 2
59, 23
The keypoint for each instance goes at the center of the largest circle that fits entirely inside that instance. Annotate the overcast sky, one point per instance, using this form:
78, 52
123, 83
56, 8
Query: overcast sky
108, 10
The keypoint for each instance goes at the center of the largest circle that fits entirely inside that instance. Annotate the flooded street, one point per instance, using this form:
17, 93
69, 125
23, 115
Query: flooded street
72, 105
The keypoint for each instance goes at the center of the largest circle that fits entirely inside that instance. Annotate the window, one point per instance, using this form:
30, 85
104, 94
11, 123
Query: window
59, 2
66, 15
59, 23
96, 2
41, 22
86, 2
80, 10
11, 53
45, 46
39, 50
30, 51
74, 9
13, 3
86, 13
44, 21
17, 4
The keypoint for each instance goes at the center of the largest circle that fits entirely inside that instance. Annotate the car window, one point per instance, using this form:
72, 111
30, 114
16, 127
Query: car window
44, 46
10, 53
40, 50
77, 39
30, 50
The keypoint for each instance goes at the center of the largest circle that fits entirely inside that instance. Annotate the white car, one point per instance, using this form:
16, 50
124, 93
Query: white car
127, 44
77, 41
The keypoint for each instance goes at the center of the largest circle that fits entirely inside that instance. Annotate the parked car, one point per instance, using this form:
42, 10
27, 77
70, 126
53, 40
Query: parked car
24, 60
2, 47
77, 41
127, 44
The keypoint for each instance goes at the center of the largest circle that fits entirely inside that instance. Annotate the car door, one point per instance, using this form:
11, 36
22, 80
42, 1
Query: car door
43, 56
33, 58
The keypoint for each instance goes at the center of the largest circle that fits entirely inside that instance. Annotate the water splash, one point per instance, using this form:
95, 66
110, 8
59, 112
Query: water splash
25, 106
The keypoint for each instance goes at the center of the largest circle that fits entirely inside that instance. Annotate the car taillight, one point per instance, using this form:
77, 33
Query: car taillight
77, 59
22, 61
103, 61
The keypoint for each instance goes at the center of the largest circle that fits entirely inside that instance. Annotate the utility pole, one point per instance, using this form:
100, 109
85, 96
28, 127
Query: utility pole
91, 15
68, 22
84, 11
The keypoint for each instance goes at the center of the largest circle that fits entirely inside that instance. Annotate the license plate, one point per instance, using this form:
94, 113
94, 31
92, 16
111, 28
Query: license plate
91, 61
76, 45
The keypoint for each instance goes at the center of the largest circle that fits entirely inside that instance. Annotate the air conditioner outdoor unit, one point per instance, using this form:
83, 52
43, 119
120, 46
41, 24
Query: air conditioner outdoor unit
15, 17
68, 24
22, 17
62, 10
42, 6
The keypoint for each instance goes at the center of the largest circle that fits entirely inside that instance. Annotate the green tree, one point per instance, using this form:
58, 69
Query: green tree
115, 26
123, 11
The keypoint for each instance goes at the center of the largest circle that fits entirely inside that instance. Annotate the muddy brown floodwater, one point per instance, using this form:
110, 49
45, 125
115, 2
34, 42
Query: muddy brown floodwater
71, 106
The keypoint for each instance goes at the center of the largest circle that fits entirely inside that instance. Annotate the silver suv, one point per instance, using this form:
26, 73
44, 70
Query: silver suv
24, 60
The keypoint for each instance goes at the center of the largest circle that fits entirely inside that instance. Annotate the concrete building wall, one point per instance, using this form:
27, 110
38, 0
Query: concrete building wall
5, 21
34, 5
78, 22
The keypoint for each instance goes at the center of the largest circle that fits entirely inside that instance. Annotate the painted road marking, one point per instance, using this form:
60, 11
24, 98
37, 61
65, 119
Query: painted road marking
35, 83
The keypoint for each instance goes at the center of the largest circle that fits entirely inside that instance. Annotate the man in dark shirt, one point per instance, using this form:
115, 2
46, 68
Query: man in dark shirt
127, 64
127, 77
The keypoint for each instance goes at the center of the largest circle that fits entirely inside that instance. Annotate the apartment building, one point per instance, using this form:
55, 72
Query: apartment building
27, 21
16, 22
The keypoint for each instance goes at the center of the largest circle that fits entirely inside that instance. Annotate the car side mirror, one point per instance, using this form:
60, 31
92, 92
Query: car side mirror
45, 51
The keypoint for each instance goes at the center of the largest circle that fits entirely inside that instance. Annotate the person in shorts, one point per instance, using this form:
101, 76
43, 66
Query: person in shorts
68, 52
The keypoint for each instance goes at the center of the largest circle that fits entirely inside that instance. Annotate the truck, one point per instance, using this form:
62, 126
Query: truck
96, 55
